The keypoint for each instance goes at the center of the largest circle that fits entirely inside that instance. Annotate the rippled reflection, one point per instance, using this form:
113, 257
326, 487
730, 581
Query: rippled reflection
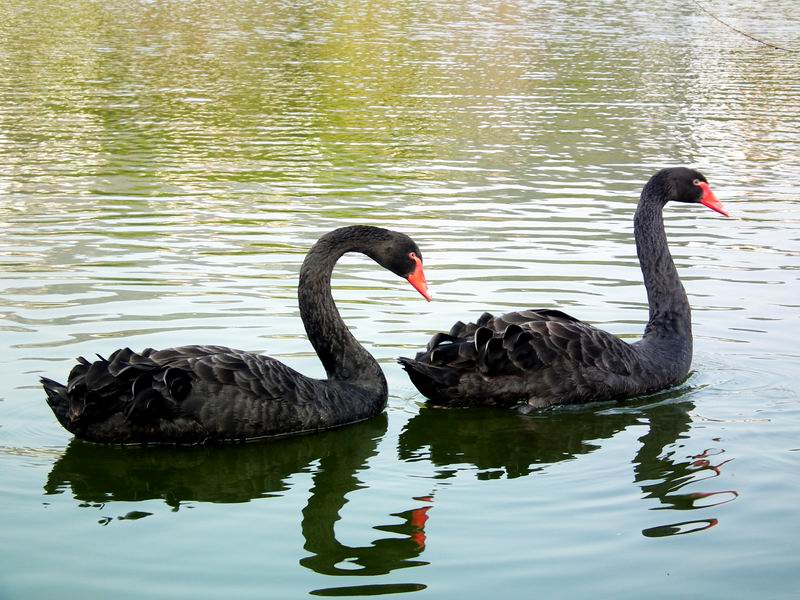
492, 444
99, 476
495, 446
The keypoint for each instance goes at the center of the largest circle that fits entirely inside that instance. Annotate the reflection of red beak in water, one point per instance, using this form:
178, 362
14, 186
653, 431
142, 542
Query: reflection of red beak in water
419, 517
704, 463
702, 460
417, 520
726, 496
680, 528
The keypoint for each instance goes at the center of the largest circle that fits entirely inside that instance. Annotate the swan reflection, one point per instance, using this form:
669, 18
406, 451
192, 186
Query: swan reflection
100, 475
490, 443
498, 444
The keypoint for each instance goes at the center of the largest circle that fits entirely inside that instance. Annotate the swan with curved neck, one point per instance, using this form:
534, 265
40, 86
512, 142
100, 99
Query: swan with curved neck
198, 394
542, 357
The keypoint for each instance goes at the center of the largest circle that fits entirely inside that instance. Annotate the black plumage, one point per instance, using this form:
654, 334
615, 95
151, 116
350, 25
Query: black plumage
197, 394
541, 357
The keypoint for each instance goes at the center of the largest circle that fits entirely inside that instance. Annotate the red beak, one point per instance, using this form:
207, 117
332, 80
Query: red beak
417, 278
710, 200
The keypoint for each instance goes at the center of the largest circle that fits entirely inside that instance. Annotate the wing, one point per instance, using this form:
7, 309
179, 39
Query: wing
261, 376
520, 342
155, 384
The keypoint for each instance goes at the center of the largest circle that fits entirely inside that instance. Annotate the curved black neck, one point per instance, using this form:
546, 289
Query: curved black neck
342, 356
670, 315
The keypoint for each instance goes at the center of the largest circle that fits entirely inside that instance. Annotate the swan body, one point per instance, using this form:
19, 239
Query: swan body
537, 358
199, 394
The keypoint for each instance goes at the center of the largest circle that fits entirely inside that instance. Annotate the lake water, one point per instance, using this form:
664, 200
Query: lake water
164, 166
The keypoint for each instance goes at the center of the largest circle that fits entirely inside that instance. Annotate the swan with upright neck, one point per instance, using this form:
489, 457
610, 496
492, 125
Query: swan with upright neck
537, 358
199, 394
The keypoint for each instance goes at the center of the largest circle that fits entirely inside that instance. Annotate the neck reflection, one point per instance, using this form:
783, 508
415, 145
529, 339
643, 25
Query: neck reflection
495, 442
99, 476
503, 444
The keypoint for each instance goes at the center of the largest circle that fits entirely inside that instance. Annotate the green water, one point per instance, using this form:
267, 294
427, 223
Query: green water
164, 166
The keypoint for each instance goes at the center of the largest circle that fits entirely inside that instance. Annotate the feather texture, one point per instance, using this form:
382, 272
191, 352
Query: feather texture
198, 394
523, 356
540, 357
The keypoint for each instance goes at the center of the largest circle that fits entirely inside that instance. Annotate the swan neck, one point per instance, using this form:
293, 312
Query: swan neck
342, 356
670, 314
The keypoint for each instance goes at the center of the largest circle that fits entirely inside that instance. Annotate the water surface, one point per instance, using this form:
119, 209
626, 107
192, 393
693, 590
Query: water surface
165, 166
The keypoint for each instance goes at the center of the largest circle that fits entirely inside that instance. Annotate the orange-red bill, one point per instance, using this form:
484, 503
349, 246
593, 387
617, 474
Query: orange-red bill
417, 278
710, 200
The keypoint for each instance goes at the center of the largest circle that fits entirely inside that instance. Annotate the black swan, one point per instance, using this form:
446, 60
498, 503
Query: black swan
198, 394
535, 358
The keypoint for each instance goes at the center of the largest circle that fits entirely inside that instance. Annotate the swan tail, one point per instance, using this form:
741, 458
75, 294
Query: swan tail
57, 400
127, 386
434, 382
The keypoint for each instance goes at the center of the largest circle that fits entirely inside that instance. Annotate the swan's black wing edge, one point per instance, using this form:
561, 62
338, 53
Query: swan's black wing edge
434, 382
129, 397
166, 396
516, 357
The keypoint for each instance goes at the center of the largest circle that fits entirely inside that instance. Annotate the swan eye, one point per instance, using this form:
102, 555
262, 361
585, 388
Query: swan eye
412, 255
696, 182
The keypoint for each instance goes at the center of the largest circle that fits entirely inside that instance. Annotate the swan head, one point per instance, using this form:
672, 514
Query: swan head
681, 184
400, 254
